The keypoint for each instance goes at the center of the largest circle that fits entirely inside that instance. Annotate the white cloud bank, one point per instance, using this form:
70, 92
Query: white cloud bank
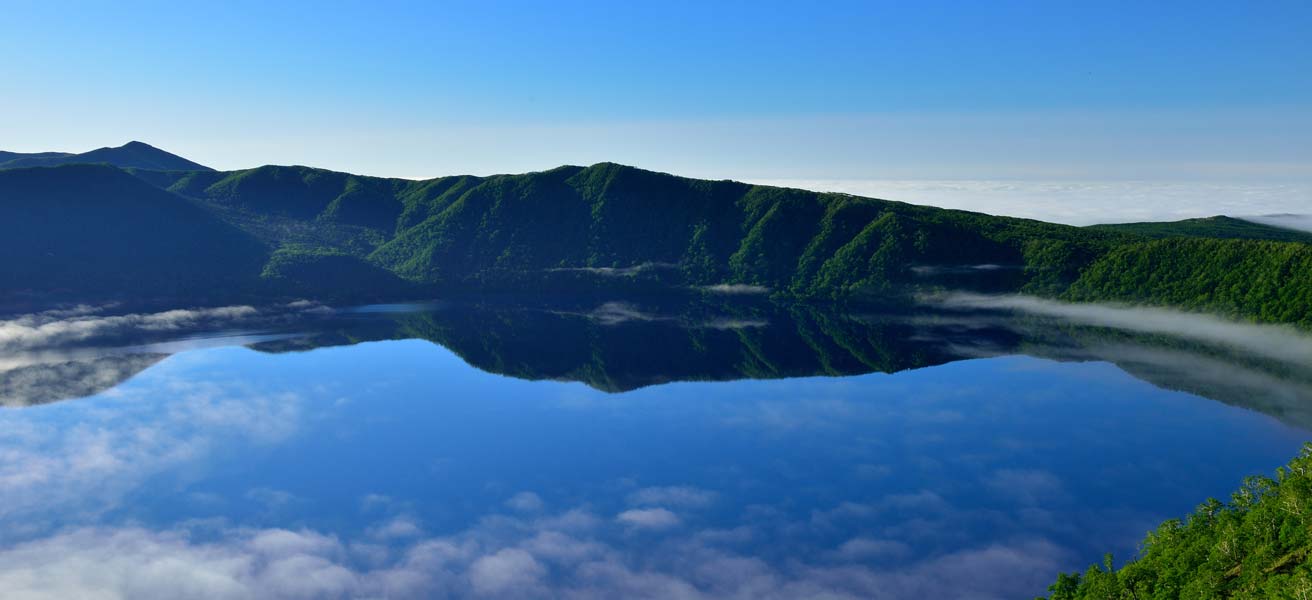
1297, 222
564, 556
1270, 341
86, 466
69, 326
1079, 202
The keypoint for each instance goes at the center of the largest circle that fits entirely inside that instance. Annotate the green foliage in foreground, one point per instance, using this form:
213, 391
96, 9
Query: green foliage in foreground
1258, 545
1266, 281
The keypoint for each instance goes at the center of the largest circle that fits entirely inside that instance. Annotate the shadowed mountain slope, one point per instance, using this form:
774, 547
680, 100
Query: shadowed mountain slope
95, 228
132, 155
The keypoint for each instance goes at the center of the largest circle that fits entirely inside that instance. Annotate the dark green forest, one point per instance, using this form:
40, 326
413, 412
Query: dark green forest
1256, 545
118, 228
1267, 281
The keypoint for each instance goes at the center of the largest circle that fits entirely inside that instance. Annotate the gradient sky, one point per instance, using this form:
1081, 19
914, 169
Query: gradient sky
1043, 90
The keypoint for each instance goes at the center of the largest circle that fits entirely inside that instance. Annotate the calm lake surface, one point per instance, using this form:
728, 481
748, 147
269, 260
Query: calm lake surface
614, 449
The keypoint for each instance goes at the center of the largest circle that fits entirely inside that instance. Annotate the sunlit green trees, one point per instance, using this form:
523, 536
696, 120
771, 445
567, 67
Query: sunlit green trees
1255, 546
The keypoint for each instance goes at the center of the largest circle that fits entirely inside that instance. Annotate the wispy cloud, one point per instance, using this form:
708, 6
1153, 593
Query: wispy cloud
525, 502
676, 495
617, 313
38, 383
54, 328
90, 463
618, 271
648, 518
736, 289
1271, 341
505, 558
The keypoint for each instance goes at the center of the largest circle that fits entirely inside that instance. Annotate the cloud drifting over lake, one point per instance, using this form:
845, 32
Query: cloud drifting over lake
1270, 341
83, 323
571, 554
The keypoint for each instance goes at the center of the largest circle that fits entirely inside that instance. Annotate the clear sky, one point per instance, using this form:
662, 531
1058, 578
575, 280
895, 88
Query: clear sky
1043, 90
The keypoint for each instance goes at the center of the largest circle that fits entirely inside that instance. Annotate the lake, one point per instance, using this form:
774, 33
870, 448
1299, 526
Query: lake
692, 448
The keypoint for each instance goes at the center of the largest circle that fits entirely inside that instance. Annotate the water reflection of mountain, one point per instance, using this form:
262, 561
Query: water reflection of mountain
618, 347
57, 379
621, 346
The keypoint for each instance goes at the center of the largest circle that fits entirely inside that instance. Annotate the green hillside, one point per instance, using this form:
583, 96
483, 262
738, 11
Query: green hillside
1257, 545
516, 230
1268, 281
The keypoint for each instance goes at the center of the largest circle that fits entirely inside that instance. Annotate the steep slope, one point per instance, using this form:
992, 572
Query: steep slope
135, 155
97, 229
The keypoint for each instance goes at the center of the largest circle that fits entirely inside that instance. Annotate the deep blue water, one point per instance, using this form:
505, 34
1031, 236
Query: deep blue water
393, 468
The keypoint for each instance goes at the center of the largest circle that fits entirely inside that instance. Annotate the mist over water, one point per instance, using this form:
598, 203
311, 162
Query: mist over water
729, 448
1277, 342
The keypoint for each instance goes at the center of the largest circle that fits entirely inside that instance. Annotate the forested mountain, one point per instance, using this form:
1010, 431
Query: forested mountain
132, 155
1269, 281
612, 225
302, 231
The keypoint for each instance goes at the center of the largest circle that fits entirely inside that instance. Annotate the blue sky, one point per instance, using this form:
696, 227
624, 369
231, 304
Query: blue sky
1180, 91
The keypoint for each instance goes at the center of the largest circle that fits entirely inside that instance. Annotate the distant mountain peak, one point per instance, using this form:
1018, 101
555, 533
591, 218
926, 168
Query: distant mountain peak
132, 155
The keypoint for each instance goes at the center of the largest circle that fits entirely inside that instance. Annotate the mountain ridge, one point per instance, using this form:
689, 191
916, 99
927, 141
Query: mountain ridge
134, 154
608, 228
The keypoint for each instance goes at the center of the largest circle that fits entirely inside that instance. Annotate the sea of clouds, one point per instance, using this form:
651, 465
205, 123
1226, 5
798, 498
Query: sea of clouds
1088, 202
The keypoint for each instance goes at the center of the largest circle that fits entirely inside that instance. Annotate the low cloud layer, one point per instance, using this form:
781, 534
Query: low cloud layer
40, 383
62, 327
1297, 222
736, 289
1270, 341
1079, 202
565, 555
88, 465
618, 313
618, 271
